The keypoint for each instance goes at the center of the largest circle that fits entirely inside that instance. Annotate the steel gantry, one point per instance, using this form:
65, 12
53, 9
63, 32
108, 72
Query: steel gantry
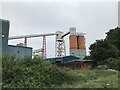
59, 42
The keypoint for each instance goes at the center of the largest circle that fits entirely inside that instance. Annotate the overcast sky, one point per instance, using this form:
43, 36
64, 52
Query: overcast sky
92, 18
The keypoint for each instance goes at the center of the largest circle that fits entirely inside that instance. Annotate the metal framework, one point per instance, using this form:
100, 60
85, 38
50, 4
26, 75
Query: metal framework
60, 48
36, 51
60, 44
44, 47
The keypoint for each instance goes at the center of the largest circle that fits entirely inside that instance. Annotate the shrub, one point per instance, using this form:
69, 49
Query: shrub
36, 73
102, 67
113, 63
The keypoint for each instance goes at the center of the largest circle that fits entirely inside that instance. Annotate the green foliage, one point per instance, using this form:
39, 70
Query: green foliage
94, 78
102, 50
106, 48
38, 73
113, 36
113, 63
32, 73
102, 67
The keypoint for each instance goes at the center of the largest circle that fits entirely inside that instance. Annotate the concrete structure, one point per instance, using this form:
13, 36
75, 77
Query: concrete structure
77, 44
19, 51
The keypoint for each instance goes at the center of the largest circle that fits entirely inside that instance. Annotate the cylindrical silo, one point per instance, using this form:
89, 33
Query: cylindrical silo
73, 45
81, 42
81, 46
73, 41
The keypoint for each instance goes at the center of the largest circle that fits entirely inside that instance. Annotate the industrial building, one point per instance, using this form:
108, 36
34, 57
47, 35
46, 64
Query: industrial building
71, 62
18, 51
76, 43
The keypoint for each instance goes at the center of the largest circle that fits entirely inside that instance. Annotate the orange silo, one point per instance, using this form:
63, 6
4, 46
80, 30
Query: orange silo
77, 43
81, 42
73, 41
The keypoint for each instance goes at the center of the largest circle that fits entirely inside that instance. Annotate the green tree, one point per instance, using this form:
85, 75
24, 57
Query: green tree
102, 50
113, 63
113, 36
106, 48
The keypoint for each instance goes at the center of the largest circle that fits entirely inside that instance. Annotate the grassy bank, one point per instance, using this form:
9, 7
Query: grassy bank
94, 79
38, 73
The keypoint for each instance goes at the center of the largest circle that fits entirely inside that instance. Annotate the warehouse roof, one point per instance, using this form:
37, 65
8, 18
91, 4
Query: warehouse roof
67, 59
20, 46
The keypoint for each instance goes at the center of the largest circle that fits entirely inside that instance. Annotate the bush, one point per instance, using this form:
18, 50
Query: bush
102, 67
113, 63
36, 73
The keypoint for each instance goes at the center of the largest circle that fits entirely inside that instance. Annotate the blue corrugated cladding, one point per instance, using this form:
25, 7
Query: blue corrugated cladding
10, 49
63, 59
69, 58
19, 51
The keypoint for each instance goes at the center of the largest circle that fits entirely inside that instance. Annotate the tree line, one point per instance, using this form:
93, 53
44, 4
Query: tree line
107, 51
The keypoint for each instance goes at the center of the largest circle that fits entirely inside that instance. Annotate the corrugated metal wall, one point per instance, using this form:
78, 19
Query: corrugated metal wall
19, 51
11, 50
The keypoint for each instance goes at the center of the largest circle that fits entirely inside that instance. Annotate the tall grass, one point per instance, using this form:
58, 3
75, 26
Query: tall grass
94, 79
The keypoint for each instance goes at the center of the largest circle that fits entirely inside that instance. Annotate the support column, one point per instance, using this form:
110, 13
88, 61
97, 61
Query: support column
44, 47
25, 42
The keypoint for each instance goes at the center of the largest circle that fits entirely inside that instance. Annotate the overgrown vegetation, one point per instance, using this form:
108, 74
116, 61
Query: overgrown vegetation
32, 73
107, 51
94, 79
38, 73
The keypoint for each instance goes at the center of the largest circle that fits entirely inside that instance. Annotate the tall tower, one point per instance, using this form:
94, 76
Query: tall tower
59, 45
77, 43
73, 41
